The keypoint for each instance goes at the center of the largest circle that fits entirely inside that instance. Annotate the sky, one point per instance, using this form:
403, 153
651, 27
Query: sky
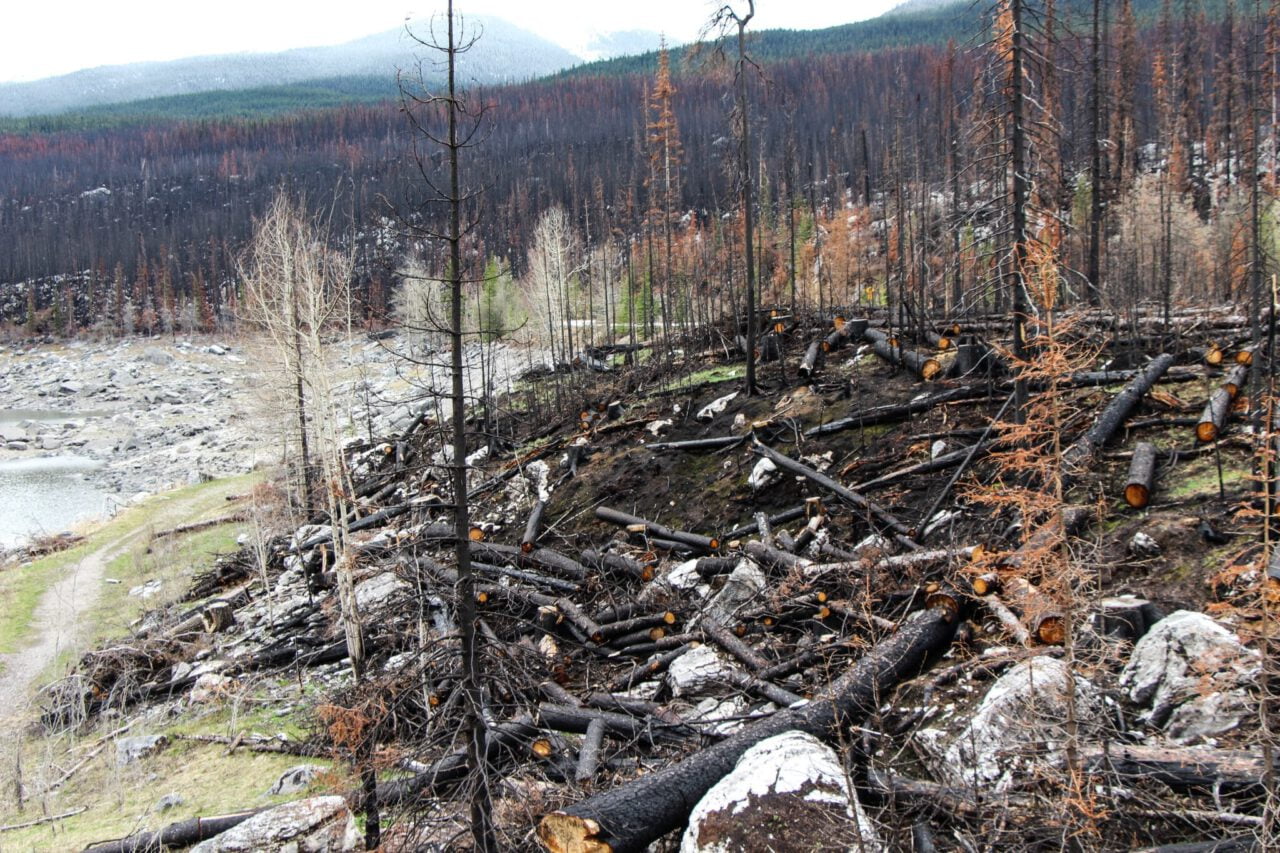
42, 39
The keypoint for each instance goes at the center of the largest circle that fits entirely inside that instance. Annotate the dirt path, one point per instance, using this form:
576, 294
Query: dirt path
57, 621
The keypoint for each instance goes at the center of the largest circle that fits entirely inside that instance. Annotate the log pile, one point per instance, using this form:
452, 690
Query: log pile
640, 638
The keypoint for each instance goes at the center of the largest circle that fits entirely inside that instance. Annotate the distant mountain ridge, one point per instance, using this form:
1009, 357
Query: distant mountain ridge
505, 54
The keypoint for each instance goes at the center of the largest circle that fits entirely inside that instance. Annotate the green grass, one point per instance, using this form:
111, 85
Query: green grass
719, 373
22, 586
121, 800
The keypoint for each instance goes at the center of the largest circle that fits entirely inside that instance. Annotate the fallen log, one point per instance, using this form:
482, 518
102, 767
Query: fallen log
650, 528
925, 367
716, 443
1214, 417
183, 833
533, 529
942, 462
812, 360
1048, 536
1142, 475
899, 411
628, 818
901, 532
1078, 457
1204, 770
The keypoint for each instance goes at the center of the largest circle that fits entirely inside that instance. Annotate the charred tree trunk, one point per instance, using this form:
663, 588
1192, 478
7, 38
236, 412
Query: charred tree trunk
628, 818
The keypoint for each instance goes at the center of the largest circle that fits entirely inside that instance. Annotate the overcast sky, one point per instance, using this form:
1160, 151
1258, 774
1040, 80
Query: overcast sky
41, 39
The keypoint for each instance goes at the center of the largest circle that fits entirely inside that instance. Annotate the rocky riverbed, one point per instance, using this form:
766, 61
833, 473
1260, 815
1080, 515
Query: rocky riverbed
151, 415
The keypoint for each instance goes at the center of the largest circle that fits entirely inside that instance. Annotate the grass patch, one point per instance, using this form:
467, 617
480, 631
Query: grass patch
719, 373
122, 800
1201, 478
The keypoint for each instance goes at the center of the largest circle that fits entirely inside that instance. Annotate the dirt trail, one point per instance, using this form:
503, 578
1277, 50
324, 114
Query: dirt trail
57, 621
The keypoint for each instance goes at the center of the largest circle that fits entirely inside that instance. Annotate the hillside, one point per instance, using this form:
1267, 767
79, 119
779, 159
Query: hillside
504, 54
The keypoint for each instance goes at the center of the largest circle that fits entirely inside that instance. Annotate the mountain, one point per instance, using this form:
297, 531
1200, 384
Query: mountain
505, 54
623, 43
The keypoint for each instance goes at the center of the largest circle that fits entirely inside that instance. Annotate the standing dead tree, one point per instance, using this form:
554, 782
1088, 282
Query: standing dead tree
462, 120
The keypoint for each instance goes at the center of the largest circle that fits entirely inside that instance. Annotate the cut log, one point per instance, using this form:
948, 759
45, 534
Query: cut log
1214, 417
812, 360
1142, 475
619, 563
847, 331
692, 540
1125, 617
217, 617
1080, 455
628, 818
533, 529
1042, 616
901, 532
589, 752
925, 367
1047, 537
1236, 379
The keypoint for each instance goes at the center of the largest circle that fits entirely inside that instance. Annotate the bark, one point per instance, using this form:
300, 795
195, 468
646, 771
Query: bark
925, 367
812, 360
533, 528
1204, 770
1214, 417
628, 818
692, 540
901, 532
1080, 454
1142, 475
717, 443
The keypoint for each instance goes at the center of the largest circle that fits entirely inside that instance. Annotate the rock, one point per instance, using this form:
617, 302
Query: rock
131, 749
314, 825
715, 407
788, 792
1144, 545
146, 590
295, 780
48, 442
695, 669
745, 583
762, 475
373, 593
209, 687
1192, 676
168, 801
16, 445
657, 427
1018, 728
69, 388
158, 356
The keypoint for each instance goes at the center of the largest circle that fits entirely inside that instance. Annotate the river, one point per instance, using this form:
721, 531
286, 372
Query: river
44, 494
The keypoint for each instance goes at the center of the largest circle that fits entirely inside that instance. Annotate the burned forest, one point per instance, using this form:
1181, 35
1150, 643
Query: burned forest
735, 469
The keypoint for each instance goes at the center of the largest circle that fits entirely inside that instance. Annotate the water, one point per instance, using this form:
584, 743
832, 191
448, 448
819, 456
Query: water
44, 494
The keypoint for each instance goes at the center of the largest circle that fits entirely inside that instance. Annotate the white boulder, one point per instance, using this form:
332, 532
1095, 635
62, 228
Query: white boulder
787, 792
1191, 675
315, 825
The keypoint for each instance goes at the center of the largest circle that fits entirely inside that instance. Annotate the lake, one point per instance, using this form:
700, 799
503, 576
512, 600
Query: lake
44, 494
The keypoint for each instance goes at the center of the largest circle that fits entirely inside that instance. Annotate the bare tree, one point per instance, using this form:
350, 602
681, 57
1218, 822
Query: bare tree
725, 19
461, 120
